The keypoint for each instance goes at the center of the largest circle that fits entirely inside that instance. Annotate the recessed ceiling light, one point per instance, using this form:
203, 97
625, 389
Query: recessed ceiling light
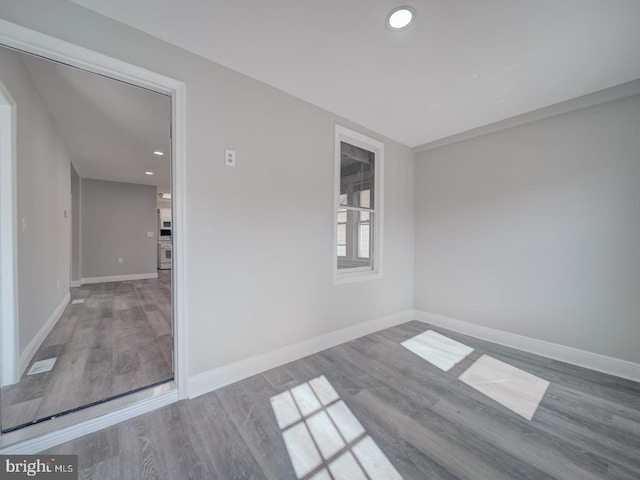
148, 173
158, 152
400, 18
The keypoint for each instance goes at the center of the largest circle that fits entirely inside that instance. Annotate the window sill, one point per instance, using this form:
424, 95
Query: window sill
355, 275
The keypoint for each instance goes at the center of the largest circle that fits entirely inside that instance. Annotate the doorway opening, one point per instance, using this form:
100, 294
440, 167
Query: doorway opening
97, 287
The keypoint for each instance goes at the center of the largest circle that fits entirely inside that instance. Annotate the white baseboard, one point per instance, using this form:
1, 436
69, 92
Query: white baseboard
36, 341
75, 283
574, 356
219, 377
119, 278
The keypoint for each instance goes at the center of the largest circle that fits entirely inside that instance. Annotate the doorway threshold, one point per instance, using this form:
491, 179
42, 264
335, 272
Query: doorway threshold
60, 429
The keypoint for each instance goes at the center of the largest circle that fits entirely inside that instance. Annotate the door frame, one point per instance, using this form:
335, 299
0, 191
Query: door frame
9, 364
43, 45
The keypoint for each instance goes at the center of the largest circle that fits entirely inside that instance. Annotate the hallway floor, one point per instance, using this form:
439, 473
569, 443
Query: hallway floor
119, 340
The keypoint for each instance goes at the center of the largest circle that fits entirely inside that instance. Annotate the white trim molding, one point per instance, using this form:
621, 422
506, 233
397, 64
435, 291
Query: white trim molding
219, 377
563, 353
33, 346
8, 240
617, 92
118, 278
179, 277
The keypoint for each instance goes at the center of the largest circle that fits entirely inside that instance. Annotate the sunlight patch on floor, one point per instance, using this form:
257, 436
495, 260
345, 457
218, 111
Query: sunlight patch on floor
324, 439
437, 349
519, 391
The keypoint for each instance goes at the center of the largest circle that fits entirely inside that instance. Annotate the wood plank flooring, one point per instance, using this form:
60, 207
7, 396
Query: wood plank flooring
428, 423
119, 340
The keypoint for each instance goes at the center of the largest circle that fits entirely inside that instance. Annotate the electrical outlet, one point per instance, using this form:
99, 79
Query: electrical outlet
230, 158
150, 234
120, 260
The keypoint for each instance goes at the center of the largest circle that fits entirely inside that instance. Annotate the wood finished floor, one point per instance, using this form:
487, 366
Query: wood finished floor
428, 423
118, 341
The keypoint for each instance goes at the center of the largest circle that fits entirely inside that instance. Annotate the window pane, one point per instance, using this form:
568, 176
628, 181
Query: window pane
342, 234
364, 234
355, 240
342, 239
363, 241
357, 167
364, 197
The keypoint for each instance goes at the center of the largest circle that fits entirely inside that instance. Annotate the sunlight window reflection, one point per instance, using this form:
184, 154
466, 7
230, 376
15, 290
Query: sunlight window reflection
324, 439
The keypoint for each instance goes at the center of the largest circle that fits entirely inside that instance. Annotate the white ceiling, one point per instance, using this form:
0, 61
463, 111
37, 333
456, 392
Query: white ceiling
110, 128
461, 65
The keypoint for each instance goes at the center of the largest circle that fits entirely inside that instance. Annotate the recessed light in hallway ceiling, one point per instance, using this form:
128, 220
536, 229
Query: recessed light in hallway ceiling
400, 18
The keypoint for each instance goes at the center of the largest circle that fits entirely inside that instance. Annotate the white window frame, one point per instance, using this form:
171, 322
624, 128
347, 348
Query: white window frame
358, 274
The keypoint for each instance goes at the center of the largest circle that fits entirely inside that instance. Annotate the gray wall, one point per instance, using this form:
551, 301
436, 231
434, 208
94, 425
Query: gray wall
115, 219
536, 230
43, 196
259, 240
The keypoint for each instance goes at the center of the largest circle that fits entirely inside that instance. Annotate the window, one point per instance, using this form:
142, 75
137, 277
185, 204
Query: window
358, 206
